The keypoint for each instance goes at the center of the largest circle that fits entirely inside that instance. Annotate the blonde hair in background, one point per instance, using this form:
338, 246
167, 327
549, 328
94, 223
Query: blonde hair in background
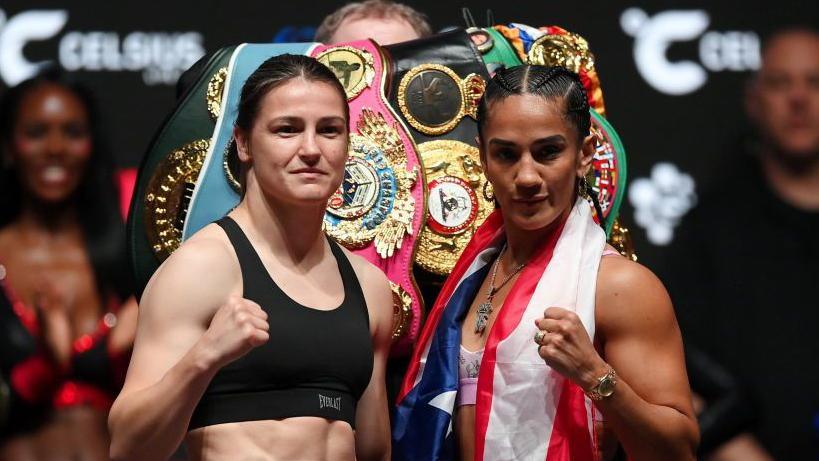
373, 9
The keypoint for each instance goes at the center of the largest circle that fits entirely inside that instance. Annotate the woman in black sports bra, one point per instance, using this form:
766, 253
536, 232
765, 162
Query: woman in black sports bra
259, 338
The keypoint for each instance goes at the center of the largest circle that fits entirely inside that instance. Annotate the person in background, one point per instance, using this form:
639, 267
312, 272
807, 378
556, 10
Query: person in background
743, 268
66, 312
384, 21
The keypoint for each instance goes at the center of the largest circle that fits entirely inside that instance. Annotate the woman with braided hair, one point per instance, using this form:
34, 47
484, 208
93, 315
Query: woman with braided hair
544, 342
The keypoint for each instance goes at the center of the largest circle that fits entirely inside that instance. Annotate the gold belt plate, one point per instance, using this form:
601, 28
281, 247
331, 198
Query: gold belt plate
353, 67
374, 202
456, 204
433, 99
168, 196
214, 92
562, 50
401, 311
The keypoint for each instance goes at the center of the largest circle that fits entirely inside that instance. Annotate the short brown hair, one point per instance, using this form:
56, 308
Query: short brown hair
373, 9
275, 72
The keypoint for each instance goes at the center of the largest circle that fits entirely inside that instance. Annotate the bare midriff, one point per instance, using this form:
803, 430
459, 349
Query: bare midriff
272, 440
465, 430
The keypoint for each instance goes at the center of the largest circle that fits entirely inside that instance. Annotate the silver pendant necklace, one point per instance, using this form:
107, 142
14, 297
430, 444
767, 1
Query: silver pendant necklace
485, 308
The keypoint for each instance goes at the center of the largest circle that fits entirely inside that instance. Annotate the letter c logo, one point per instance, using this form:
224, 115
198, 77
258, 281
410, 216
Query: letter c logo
652, 38
19, 30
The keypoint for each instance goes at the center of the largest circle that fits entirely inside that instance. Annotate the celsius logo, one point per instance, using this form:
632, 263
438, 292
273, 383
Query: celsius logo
718, 51
160, 56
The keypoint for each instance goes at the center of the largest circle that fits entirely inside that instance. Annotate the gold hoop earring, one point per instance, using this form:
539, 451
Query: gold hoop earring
488, 192
228, 167
583, 188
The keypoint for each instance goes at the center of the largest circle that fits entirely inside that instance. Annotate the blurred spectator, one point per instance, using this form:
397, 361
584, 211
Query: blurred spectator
722, 410
65, 334
743, 269
381, 20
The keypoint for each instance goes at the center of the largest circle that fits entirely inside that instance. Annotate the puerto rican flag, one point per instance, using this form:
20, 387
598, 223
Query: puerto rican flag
524, 409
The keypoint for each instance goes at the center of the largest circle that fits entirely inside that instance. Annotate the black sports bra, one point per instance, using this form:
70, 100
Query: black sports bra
316, 363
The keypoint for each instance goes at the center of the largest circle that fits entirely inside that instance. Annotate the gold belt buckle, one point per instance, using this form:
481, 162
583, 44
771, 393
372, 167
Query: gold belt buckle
353, 68
434, 99
456, 205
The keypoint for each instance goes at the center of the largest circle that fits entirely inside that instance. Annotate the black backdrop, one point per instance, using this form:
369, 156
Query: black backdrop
151, 42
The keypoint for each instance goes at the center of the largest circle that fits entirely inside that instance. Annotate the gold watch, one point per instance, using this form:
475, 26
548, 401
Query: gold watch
605, 385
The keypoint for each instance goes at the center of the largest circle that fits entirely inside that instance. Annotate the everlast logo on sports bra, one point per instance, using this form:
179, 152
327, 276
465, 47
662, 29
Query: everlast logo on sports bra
332, 402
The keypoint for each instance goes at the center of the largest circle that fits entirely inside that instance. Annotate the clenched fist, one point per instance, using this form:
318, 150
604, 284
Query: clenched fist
565, 346
236, 328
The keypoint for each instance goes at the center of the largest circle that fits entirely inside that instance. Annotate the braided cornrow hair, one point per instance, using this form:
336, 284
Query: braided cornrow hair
552, 83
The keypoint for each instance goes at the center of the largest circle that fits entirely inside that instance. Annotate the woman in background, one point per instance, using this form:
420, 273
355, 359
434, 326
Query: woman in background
68, 317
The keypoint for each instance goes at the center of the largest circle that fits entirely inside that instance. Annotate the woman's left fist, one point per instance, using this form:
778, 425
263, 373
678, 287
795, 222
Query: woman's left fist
565, 346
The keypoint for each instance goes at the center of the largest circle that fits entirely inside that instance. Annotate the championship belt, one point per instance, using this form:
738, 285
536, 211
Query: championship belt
436, 86
559, 47
183, 183
495, 49
607, 177
168, 173
378, 210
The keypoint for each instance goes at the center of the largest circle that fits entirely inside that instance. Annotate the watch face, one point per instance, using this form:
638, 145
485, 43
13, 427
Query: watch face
606, 387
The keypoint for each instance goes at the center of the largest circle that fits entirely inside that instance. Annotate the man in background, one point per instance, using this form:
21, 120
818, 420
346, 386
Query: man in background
381, 20
744, 272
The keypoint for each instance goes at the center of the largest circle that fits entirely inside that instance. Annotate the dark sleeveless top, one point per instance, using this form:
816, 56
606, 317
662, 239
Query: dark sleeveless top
316, 363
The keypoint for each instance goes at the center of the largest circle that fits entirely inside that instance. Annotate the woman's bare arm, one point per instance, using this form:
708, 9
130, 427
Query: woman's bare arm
372, 437
189, 326
650, 410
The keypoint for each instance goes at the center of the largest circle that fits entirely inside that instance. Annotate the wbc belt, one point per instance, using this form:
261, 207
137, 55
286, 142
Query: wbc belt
170, 168
378, 210
436, 87
496, 51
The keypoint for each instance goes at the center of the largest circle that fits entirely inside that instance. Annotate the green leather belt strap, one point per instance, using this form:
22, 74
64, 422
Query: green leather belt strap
501, 51
189, 123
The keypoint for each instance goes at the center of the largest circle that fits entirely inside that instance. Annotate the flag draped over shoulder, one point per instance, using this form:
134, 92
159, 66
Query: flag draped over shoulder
524, 409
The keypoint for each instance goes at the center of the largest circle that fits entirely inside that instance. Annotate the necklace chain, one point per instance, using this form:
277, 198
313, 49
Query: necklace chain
486, 307
493, 290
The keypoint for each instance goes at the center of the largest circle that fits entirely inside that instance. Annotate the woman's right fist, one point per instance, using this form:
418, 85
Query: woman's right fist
237, 327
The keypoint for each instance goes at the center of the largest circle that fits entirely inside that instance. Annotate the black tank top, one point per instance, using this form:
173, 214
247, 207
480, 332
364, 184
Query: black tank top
316, 363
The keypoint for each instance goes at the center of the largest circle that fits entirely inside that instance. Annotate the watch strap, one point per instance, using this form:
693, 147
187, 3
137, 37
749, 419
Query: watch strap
594, 393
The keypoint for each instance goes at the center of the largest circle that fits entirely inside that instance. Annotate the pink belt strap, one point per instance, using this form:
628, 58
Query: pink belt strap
378, 210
